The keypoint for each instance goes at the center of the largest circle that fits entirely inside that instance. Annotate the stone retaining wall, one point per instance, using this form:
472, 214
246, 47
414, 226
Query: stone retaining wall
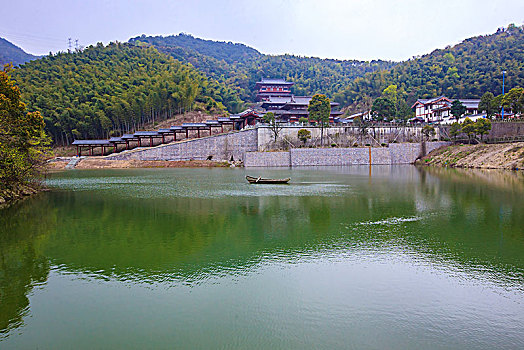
506, 129
380, 134
499, 129
268, 159
243, 145
219, 147
401, 153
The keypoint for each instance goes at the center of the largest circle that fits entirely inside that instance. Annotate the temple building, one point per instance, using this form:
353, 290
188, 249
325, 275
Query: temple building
275, 96
273, 88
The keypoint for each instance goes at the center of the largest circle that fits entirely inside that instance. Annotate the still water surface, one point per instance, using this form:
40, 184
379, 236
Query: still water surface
392, 257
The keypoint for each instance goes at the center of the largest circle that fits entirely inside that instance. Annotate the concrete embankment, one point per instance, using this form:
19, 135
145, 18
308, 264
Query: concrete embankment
482, 156
395, 153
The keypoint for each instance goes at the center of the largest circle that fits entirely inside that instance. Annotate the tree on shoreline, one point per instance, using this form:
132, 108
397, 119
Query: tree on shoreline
274, 126
303, 135
319, 110
428, 131
486, 104
514, 100
457, 109
482, 127
383, 109
469, 128
23, 142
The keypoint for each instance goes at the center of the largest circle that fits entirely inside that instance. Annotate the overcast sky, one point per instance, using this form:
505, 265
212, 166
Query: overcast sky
350, 29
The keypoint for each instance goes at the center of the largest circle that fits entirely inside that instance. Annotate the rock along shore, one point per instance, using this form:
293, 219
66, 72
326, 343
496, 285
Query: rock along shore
11, 195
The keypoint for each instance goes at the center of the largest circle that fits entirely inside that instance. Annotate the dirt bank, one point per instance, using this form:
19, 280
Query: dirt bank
482, 156
101, 163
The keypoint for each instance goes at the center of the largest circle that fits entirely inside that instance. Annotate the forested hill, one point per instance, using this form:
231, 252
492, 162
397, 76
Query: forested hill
10, 53
220, 50
466, 70
109, 90
241, 66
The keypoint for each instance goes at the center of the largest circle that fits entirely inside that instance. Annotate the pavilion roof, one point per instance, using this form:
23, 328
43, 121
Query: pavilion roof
116, 139
128, 137
194, 125
146, 133
164, 131
91, 143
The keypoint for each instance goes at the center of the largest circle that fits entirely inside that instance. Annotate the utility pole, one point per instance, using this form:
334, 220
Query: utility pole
503, 72
76, 44
69, 43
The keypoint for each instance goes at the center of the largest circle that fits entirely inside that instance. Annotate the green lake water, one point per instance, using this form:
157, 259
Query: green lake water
352, 258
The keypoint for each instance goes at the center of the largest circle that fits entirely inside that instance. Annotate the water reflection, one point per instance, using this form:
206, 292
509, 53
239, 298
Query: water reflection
189, 226
22, 265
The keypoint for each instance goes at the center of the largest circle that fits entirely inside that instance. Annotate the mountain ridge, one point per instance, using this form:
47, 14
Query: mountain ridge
241, 66
10, 53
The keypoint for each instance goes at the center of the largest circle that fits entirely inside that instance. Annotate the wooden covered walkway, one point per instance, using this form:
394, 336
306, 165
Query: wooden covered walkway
165, 135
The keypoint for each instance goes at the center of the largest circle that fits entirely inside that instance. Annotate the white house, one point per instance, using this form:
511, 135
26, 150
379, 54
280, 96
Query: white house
438, 109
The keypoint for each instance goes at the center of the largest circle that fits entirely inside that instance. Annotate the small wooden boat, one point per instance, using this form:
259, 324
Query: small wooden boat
260, 180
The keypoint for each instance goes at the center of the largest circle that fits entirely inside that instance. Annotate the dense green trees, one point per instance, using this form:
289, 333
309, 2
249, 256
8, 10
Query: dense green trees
22, 138
486, 104
383, 109
106, 90
514, 100
391, 105
481, 127
241, 66
466, 70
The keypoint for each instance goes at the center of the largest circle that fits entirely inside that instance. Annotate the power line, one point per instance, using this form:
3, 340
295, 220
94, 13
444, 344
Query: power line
21, 35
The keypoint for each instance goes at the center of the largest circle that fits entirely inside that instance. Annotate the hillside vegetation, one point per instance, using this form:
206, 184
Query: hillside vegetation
241, 66
108, 90
466, 70
23, 142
